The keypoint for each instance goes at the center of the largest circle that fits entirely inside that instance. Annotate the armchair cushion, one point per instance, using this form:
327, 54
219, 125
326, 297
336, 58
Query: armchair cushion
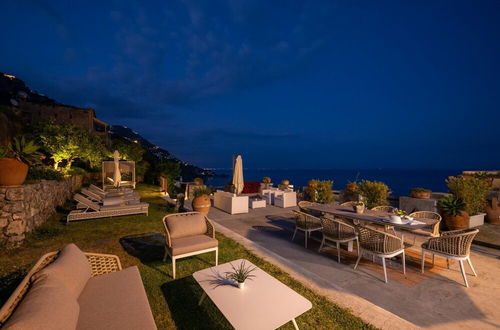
71, 267
192, 244
186, 225
48, 305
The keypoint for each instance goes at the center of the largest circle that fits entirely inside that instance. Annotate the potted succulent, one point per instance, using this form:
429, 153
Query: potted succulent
240, 274
14, 163
359, 207
201, 201
454, 214
398, 216
420, 193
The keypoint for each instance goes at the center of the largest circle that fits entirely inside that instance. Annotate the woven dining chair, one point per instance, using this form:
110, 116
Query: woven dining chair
379, 244
338, 232
453, 244
349, 203
433, 232
306, 223
384, 208
304, 207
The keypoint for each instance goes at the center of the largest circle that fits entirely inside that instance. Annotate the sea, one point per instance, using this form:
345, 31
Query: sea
399, 181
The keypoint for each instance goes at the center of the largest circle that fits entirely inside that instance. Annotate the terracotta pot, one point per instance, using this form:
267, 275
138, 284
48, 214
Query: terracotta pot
421, 194
455, 222
12, 172
493, 212
201, 204
285, 182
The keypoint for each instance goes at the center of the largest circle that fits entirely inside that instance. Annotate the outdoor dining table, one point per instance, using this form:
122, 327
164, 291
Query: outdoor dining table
377, 217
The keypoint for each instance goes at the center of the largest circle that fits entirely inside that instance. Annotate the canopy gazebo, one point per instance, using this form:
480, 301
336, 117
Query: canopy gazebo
126, 178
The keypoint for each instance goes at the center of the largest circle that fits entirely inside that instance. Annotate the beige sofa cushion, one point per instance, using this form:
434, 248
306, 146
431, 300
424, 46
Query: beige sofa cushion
192, 243
71, 268
115, 301
186, 225
47, 305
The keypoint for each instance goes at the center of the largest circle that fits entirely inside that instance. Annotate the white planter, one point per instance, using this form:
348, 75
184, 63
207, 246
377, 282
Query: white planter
241, 285
395, 218
476, 220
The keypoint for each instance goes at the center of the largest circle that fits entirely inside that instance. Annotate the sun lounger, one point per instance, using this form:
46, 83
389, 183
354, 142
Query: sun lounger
92, 210
109, 200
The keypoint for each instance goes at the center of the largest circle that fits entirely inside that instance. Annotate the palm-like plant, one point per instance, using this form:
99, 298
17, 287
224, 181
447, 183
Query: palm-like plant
240, 273
3, 153
452, 205
25, 151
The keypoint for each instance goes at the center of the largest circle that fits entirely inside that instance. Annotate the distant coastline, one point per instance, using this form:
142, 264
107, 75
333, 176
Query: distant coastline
399, 181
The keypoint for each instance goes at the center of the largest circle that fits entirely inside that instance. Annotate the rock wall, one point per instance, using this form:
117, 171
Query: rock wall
23, 208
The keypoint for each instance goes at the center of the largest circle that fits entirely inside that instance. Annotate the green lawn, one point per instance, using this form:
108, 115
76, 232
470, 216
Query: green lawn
138, 240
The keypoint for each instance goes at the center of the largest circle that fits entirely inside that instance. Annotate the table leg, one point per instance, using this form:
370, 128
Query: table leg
295, 324
203, 296
349, 246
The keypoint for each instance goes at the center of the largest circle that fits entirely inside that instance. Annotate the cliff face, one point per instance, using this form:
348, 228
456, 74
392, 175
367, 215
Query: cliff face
13, 89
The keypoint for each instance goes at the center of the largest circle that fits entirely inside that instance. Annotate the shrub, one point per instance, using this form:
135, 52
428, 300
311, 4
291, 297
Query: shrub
374, 193
44, 173
319, 191
472, 189
251, 187
451, 205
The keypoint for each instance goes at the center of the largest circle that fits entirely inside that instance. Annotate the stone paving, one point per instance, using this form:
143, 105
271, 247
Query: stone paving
436, 299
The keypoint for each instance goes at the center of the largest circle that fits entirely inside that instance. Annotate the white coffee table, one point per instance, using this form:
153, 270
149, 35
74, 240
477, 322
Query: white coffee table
257, 203
264, 302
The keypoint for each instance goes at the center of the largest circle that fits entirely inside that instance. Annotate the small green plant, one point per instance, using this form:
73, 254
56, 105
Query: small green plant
3, 153
320, 191
201, 191
400, 213
374, 192
473, 191
25, 151
451, 205
241, 273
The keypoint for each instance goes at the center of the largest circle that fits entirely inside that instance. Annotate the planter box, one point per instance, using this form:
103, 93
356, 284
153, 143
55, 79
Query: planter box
476, 220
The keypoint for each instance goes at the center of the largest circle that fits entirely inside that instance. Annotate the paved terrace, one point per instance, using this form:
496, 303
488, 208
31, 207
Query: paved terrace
436, 299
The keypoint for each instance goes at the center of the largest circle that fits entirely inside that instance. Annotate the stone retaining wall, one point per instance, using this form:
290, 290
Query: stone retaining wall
23, 208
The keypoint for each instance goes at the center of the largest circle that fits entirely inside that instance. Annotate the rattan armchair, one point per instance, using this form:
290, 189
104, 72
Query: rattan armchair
338, 232
349, 203
384, 208
306, 223
455, 245
434, 230
379, 244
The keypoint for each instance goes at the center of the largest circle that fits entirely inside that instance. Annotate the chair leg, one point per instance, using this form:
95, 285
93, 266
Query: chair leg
423, 261
338, 252
360, 253
385, 270
470, 265
321, 245
305, 239
217, 257
448, 263
165, 255
433, 257
462, 269
404, 263
173, 268
295, 232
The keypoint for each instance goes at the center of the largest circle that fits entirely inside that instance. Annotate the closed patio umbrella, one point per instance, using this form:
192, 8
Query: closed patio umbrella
117, 176
238, 182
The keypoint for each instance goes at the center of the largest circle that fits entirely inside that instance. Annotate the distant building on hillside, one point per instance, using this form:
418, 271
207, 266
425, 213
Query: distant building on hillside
33, 107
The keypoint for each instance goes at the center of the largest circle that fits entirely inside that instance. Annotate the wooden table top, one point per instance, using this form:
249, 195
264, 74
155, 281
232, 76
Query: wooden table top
377, 217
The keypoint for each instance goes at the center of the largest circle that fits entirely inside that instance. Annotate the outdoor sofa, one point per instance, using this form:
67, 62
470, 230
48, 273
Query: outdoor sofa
230, 203
72, 289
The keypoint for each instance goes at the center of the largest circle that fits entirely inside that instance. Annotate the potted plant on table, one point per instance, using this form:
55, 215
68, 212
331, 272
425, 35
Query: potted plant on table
454, 214
14, 163
359, 207
421, 193
201, 201
240, 274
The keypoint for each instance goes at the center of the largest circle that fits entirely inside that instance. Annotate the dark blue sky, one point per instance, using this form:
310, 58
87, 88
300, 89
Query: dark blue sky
298, 84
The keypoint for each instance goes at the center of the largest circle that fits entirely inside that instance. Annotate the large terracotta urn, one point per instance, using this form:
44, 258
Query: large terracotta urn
201, 204
12, 172
493, 211
455, 222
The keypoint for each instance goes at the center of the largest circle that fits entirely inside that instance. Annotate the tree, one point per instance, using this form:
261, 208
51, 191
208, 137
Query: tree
68, 142
128, 150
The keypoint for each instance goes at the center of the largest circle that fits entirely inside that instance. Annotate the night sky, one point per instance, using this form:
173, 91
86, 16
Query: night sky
297, 84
